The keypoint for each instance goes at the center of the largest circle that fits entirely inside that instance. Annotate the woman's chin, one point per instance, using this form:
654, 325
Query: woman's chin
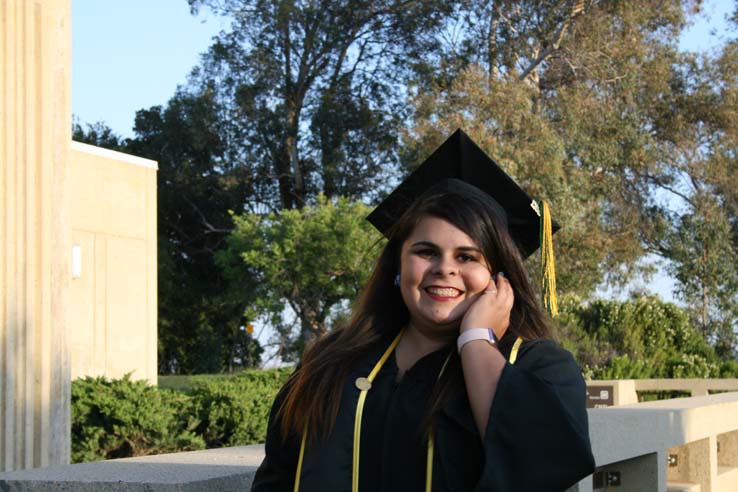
445, 324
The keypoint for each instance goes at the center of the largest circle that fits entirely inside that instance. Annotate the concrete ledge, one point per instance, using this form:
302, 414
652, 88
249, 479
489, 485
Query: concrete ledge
226, 470
632, 441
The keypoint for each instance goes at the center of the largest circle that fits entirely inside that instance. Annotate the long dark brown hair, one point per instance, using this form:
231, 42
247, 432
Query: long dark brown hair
312, 395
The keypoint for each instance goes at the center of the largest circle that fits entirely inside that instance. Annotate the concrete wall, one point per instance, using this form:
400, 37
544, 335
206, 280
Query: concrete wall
113, 312
687, 442
625, 391
632, 446
35, 232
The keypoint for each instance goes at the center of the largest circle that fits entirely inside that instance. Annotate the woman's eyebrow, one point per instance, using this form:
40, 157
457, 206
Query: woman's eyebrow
425, 243
434, 245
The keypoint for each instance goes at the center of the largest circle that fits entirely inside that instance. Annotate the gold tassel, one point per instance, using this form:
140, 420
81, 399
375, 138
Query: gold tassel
548, 268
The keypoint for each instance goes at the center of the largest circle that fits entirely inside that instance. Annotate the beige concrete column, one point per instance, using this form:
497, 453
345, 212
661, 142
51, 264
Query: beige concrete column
35, 231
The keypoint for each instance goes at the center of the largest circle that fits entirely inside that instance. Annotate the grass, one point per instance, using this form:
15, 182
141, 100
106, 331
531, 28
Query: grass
185, 382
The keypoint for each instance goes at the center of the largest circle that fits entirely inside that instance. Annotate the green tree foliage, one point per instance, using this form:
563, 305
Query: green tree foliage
200, 314
700, 237
313, 89
640, 338
122, 418
590, 105
587, 103
559, 94
98, 134
304, 266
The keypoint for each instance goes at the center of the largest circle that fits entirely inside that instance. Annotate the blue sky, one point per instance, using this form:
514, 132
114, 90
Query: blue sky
132, 54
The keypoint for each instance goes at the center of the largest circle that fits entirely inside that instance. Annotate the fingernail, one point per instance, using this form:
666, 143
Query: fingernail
494, 276
502, 274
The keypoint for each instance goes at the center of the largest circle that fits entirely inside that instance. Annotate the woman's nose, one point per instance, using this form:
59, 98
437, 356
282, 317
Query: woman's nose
445, 266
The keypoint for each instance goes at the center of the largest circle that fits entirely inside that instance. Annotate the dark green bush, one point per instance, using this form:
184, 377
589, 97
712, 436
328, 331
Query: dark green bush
639, 338
121, 418
235, 411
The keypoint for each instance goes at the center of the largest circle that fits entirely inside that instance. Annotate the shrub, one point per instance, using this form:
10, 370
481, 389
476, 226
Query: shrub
235, 411
639, 338
121, 418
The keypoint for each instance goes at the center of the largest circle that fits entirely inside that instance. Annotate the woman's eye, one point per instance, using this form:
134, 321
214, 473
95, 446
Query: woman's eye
466, 258
425, 252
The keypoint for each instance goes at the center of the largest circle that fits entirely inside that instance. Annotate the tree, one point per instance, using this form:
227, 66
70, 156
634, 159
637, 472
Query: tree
643, 337
700, 236
201, 315
97, 134
568, 97
311, 91
304, 267
590, 105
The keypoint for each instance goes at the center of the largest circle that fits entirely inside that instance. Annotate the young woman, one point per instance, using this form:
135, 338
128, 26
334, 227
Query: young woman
444, 379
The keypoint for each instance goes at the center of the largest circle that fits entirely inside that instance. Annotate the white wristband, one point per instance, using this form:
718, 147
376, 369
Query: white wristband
476, 334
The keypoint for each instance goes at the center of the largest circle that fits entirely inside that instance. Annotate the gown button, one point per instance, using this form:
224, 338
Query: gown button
363, 384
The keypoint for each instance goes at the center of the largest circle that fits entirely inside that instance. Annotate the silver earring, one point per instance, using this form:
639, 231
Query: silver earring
397, 280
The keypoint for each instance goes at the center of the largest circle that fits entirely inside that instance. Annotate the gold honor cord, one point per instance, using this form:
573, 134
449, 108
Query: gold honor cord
514, 351
364, 384
429, 453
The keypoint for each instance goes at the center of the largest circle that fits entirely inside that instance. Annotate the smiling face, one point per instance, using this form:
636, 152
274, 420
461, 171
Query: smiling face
441, 272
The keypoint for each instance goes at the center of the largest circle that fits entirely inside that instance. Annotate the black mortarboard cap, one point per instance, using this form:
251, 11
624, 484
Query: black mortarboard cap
460, 158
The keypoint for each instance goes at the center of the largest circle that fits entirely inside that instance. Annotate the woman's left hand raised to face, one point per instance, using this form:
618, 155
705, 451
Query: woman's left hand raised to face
491, 308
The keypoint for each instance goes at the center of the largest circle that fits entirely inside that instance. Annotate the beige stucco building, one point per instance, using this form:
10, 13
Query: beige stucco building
113, 297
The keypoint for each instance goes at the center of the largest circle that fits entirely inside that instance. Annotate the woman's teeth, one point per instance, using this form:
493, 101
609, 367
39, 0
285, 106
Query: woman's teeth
443, 291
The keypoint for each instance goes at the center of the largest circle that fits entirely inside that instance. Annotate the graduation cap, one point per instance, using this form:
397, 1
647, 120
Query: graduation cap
459, 158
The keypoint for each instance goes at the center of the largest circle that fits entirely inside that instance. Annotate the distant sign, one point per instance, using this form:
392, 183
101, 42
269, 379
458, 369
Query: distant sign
599, 396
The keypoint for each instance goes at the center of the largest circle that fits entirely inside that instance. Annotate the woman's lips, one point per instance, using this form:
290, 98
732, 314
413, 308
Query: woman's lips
442, 293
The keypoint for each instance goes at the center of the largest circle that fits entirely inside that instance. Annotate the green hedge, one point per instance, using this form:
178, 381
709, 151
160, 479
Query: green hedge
122, 418
234, 412
639, 338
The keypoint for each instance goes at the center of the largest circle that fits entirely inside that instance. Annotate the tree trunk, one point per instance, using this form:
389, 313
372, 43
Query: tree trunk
492, 71
704, 292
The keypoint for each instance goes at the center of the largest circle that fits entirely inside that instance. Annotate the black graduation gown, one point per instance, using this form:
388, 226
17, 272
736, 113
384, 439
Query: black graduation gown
536, 439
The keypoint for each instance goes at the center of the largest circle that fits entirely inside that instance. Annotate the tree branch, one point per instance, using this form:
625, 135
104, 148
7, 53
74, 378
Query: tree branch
577, 11
208, 226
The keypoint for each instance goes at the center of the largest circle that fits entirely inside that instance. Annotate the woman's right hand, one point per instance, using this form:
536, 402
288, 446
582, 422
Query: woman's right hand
491, 308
